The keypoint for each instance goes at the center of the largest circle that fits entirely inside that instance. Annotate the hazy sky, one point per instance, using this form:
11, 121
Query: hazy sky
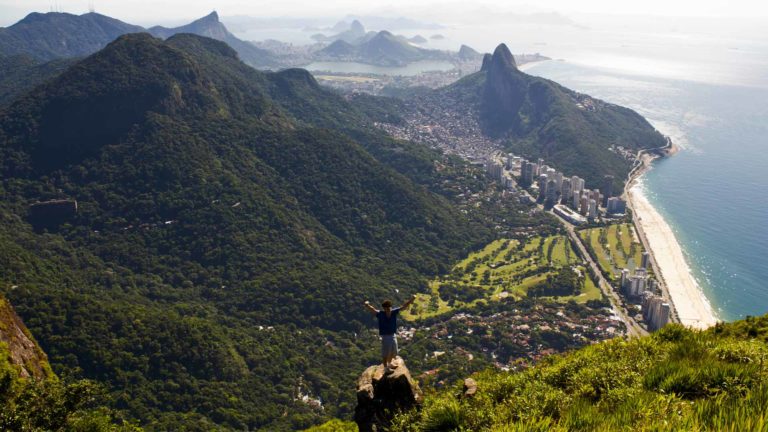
164, 11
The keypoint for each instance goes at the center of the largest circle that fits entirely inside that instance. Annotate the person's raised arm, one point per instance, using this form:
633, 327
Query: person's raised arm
370, 308
408, 303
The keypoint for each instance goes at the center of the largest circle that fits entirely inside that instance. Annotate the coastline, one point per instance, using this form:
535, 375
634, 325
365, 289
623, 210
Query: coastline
690, 307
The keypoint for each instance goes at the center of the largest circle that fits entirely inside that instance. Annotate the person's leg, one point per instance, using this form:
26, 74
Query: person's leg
392, 352
384, 351
388, 349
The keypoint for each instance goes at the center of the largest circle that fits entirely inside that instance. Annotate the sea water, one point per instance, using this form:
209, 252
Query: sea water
714, 192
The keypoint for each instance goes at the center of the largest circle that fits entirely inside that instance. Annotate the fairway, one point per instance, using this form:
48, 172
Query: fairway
615, 247
504, 268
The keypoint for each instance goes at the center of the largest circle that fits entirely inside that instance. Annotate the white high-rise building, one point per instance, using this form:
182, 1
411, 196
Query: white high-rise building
577, 184
645, 260
552, 191
543, 179
592, 209
566, 190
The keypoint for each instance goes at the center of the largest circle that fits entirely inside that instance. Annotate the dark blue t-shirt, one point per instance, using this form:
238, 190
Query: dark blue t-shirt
387, 326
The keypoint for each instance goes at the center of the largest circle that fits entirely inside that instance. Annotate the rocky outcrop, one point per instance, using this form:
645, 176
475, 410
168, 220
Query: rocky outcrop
470, 388
504, 93
381, 393
18, 347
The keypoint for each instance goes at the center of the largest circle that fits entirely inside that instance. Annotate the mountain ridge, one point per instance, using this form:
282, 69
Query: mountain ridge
52, 35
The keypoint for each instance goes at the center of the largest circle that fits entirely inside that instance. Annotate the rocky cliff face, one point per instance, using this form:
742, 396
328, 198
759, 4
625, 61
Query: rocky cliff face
18, 347
504, 93
381, 393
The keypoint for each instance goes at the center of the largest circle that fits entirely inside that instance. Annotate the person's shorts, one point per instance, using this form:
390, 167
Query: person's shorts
388, 346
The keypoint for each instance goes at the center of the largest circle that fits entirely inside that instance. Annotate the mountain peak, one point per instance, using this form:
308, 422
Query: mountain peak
357, 26
487, 58
212, 17
503, 56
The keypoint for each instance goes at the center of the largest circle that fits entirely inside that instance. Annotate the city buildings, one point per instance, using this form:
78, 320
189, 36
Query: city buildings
645, 260
656, 311
569, 215
616, 206
607, 189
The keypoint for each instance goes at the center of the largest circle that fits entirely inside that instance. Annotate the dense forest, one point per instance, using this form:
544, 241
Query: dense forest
229, 223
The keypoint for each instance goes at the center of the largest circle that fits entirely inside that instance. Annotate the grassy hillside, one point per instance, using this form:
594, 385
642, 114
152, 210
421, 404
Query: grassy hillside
675, 379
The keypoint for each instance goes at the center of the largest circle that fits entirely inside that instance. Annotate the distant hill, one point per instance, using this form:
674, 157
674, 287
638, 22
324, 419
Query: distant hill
418, 39
55, 35
467, 53
352, 34
210, 26
382, 48
47, 36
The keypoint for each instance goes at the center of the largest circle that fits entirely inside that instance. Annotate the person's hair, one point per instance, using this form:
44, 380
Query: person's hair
386, 304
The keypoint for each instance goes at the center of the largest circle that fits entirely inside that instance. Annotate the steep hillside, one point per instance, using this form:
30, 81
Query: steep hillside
20, 354
228, 224
33, 398
676, 379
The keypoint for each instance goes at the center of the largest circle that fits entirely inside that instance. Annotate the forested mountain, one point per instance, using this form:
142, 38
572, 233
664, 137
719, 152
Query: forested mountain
47, 36
228, 224
54, 35
536, 117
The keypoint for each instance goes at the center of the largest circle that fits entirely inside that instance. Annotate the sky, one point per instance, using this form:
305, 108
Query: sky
171, 11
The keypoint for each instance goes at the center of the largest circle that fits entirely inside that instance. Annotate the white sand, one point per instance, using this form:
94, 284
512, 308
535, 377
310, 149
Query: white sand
692, 307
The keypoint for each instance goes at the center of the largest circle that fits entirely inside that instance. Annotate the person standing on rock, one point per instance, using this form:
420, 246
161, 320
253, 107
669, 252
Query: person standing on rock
388, 328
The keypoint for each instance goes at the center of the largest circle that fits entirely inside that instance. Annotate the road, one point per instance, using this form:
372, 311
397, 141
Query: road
633, 328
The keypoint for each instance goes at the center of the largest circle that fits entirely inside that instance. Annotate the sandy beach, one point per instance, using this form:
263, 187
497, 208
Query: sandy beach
692, 307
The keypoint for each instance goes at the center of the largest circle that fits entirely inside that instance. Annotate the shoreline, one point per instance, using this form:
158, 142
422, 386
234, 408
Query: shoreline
689, 304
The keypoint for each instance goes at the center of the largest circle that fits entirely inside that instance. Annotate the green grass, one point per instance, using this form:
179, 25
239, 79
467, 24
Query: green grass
511, 269
676, 379
615, 247
334, 425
